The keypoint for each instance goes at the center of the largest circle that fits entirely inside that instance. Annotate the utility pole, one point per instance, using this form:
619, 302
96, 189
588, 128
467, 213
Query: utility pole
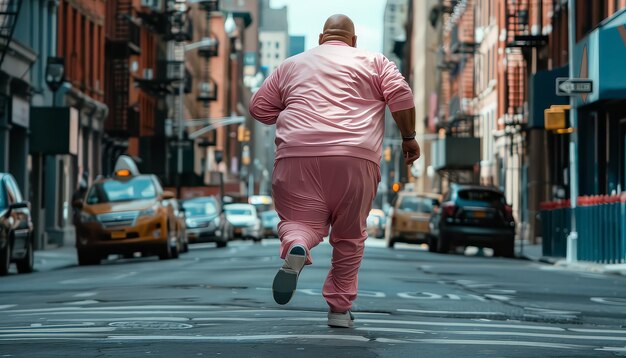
572, 238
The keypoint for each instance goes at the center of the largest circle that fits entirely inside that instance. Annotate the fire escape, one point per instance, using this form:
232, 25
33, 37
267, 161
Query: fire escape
122, 41
462, 49
522, 37
456, 63
9, 10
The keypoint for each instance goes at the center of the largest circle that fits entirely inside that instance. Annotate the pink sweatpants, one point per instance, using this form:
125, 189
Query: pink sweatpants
313, 193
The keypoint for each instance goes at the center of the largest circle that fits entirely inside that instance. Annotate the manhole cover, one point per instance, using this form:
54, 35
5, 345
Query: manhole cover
150, 325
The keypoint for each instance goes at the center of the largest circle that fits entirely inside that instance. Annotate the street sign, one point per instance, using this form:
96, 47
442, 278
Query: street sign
573, 86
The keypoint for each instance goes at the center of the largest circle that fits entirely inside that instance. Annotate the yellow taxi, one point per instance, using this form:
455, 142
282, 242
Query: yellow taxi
124, 214
409, 217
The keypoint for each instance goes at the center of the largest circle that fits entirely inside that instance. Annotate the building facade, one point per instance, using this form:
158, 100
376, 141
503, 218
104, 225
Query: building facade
395, 34
499, 61
423, 56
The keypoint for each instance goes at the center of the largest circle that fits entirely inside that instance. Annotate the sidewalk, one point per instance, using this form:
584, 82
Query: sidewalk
535, 253
57, 258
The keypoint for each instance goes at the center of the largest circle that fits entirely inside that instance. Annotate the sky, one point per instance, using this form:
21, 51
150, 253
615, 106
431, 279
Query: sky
307, 17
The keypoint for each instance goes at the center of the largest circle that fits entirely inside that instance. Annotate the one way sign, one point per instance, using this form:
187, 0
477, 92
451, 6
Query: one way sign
573, 86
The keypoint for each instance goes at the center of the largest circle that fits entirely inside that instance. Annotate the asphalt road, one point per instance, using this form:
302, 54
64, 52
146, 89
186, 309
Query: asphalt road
217, 303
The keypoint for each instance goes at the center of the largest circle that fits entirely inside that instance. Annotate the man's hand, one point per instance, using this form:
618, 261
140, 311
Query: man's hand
410, 151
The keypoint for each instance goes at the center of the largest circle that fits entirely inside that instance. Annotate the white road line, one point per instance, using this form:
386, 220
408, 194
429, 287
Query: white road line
322, 337
612, 349
460, 313
168, 319
124, 275
12, 336
541, 335
85, 294
37, 330
3, 307
84, 302
588, 330
384, 329
500, 343
444, 324
110, 312
159, 307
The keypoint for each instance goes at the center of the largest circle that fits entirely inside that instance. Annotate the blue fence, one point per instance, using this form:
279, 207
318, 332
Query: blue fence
601, 225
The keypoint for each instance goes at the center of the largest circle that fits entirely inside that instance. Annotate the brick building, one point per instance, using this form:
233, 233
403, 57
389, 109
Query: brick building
499, 60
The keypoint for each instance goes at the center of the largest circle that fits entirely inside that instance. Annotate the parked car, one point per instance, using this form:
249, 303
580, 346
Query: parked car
474, 216
126, 213
270, 222
376, 223
408, 218
245, 221
206, 221
16, 228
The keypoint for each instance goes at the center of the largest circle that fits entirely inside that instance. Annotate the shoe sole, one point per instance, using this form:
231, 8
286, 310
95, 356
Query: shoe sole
286, 281
342, 324
284, 286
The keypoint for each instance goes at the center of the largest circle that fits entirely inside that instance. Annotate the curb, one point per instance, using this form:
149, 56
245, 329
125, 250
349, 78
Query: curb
613, 269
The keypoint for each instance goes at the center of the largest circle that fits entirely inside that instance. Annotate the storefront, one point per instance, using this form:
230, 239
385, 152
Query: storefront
602, 114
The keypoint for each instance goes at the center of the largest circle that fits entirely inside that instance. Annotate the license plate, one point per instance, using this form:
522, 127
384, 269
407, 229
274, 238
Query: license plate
118, 235
237, 231
480, 214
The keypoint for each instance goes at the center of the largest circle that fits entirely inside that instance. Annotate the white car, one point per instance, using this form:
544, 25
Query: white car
245, 221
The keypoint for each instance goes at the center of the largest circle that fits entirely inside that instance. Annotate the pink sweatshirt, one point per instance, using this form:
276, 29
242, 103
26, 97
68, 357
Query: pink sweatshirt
330, 101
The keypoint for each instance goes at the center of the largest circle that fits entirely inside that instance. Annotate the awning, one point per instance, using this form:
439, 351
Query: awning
600, 56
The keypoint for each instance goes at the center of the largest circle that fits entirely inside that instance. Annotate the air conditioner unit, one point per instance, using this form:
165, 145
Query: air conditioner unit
148, 74
175, 70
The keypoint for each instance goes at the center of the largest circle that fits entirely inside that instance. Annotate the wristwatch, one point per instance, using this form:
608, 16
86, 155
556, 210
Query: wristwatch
410, 136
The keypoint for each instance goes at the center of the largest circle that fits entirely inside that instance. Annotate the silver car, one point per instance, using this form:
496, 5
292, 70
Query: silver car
206, 221
245, 221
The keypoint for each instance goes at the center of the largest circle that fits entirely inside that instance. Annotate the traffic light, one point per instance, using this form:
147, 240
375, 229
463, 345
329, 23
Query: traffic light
395, 187
241, 133
388, 154
246, 135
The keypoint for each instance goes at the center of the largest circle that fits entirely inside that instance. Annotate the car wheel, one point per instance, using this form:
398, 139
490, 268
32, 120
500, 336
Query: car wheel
27, 264
5, 259
443, 245
166, 251
85, 259
432, 244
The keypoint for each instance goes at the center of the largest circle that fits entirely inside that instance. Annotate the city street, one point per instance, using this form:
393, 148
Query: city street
217, 302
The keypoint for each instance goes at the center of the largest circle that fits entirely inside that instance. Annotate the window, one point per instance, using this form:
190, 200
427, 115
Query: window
137, 188
482, 195
15, 189
277, 45
200, 208
277, 56
416, 204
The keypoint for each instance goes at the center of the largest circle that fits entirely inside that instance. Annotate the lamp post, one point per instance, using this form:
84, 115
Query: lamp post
572, 238
55, 75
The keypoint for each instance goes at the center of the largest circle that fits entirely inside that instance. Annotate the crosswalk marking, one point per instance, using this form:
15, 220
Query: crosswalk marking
101, 322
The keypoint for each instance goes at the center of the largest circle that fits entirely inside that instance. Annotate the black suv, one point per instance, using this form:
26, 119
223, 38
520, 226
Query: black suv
473, 216
16, 228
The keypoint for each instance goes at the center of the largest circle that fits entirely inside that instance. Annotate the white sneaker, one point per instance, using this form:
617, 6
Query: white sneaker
341, 320
286, 280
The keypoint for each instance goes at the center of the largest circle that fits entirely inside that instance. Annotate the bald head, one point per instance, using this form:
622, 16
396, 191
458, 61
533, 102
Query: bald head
338, 28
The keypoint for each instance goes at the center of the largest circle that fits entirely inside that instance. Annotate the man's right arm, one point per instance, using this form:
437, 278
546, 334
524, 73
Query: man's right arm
266, 104
399, 98
405, 120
